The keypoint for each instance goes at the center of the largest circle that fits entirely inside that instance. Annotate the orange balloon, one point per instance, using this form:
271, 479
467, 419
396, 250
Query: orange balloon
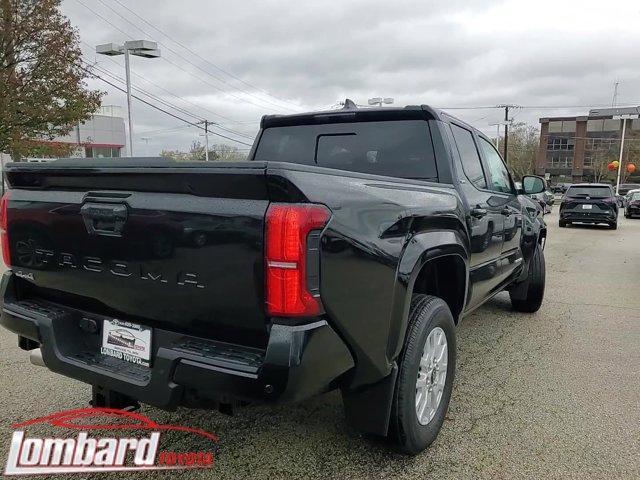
611, 166
631, 168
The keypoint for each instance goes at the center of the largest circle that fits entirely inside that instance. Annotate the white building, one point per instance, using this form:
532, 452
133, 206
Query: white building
103, 135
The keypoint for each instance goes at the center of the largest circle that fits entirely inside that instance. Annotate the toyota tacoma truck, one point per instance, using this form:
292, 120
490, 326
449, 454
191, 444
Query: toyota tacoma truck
341, 255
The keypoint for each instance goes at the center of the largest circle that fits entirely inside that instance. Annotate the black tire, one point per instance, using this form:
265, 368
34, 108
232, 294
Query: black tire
405, 431
613, 226
536, 281
562, 224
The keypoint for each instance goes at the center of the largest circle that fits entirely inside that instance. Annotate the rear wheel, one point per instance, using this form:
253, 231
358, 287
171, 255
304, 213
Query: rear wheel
533, 288
425, 376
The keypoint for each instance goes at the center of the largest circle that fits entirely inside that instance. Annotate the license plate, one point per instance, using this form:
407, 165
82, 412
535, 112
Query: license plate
126, 341
587, 207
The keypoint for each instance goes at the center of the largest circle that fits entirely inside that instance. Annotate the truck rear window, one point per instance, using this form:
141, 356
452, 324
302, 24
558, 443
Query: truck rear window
400, 148
593, 192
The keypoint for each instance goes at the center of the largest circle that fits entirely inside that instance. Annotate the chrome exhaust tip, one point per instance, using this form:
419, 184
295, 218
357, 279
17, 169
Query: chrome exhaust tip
35, 357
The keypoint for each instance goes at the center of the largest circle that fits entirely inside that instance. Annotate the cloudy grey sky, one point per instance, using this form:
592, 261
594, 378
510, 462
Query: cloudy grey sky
233, 61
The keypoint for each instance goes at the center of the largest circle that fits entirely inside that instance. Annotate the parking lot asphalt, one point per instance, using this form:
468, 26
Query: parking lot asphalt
554, 394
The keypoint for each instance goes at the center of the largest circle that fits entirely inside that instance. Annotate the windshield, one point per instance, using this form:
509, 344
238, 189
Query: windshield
589, 191
400, 148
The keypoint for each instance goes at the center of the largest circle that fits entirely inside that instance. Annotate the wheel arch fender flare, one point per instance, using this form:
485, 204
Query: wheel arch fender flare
421, 249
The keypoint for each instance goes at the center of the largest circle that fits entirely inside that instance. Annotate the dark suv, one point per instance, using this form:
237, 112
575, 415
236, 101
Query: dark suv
589, 203
633, 205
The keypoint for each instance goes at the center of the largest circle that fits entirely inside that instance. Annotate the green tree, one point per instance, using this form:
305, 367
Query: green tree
43, 92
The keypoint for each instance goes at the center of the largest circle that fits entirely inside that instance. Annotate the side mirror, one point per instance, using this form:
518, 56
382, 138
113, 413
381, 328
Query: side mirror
532, 184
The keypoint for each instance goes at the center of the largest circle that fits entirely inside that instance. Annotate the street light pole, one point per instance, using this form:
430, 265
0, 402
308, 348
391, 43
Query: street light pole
497, 125
617, 113
380, 100
624, 126
128, 78
139, 48
146, 145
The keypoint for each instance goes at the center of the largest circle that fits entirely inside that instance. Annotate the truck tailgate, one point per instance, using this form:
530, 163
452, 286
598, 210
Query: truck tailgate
174, 248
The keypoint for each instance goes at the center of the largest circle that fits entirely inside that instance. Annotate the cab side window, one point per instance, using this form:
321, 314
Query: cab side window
499, 180
469, 156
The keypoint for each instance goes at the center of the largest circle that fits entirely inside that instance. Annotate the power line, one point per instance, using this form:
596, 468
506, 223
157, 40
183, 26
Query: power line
145, 79
159, 131
202, 58
170, 105
167, 47
161, 109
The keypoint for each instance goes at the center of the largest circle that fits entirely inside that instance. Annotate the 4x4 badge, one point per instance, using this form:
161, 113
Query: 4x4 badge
27, 276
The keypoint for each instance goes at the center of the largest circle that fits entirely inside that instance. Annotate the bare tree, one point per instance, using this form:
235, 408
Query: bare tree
523, 146
217, 153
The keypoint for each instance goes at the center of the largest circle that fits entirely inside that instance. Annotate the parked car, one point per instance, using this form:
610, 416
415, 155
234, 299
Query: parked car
355, 241
633, 204
560, 188
589, 203
546, 199
623, 190
627, 197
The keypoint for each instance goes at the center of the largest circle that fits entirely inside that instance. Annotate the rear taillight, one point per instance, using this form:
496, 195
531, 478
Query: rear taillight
292, 260
4, 236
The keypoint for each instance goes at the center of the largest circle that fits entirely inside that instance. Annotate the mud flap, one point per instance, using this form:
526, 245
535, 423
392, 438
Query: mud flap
368, 408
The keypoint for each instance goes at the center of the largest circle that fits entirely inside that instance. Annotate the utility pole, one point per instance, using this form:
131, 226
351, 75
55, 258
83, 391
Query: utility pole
506, 129
506, 132
206, 138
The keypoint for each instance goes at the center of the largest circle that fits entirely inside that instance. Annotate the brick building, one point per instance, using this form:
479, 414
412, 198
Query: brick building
577, 149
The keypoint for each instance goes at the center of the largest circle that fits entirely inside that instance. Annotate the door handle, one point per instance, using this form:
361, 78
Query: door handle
506, 212
104, 218
478, 212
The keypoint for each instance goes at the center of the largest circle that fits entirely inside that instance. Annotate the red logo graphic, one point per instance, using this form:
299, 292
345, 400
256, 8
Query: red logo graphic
84, 453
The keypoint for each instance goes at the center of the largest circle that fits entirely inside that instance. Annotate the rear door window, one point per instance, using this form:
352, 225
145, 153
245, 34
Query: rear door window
469, 156
498, 173
399, 148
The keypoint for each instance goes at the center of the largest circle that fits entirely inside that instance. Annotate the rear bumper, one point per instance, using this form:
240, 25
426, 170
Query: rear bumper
298, 362
590, 217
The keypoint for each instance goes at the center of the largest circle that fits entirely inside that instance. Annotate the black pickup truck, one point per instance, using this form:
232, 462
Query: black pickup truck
341, 256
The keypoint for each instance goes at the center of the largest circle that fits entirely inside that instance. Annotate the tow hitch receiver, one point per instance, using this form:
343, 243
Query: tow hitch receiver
103, 398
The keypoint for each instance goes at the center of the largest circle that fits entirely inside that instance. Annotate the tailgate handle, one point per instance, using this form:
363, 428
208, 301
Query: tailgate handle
104, 218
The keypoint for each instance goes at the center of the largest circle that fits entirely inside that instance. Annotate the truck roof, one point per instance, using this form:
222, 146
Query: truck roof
352, 113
